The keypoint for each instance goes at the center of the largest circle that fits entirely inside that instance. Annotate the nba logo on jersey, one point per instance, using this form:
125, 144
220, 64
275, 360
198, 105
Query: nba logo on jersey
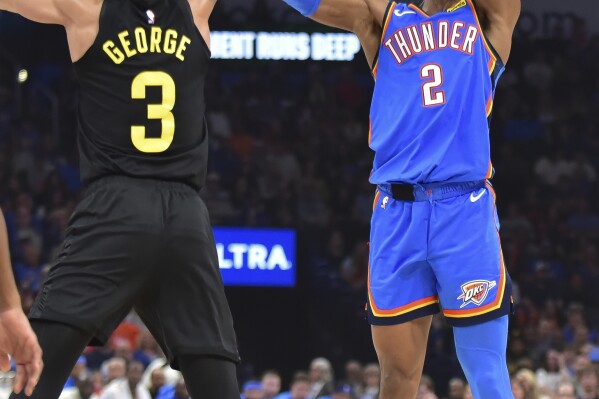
151, 17
476, 292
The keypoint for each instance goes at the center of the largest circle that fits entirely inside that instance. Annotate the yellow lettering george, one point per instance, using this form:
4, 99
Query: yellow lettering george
182, 47
113, 52
170, 41
155, 36
123, 37
141, 40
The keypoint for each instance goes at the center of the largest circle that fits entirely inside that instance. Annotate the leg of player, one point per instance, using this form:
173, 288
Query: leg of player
62, 346
209, 377
481, 351
401, 349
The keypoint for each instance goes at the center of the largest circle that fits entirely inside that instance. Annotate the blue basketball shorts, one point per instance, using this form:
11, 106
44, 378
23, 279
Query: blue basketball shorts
439, 252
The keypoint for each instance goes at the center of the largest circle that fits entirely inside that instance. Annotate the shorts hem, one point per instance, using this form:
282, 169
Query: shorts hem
505, 309
96, 339
403, 318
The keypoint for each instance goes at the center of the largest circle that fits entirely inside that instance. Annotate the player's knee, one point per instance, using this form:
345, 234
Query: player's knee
399, 374
489, 388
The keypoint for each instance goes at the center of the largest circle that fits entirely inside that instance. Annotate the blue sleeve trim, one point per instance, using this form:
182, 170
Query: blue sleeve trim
306, 7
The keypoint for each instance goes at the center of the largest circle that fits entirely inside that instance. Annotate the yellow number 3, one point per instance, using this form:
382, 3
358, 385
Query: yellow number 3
155, 111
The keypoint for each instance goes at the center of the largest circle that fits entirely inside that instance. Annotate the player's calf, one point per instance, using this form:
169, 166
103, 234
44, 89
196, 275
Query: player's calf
481, 351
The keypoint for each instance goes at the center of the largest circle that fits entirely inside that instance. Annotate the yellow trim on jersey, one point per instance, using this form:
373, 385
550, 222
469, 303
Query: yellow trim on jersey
459, 5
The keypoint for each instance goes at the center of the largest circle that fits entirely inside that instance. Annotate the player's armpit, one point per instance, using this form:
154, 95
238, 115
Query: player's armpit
499, 18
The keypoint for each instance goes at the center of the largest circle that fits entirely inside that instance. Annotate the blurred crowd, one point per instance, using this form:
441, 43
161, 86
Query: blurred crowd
289, 149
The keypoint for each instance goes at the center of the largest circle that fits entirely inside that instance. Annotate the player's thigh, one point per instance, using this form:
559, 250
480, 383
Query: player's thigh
401, 348
190, 304
401, 283
105, 260
466, 256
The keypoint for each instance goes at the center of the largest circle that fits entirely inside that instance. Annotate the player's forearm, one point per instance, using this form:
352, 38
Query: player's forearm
306, 7
9, 296
8, 5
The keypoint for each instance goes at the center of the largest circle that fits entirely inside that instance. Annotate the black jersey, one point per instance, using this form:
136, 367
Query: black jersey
141, 100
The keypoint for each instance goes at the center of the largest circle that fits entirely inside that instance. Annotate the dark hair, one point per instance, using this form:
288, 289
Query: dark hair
300, 376
271, 372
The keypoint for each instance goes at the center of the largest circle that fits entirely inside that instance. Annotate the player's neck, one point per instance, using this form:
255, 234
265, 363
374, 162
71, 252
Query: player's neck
146, 3
432, 7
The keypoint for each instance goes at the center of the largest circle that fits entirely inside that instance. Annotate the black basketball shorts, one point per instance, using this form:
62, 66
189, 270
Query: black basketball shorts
147, 245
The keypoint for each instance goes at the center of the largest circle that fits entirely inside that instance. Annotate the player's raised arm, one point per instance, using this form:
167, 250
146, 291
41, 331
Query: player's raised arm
44, 11
201, 10
363, 17
499, 18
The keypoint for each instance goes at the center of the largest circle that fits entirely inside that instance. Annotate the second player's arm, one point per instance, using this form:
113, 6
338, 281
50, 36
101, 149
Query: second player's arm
499, 18
44, 11
16, 337
362, 17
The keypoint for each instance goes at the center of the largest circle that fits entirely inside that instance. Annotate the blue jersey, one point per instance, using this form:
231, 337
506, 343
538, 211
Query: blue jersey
435, 81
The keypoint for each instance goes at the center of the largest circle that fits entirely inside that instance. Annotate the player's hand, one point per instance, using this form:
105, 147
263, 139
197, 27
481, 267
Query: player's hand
18, 340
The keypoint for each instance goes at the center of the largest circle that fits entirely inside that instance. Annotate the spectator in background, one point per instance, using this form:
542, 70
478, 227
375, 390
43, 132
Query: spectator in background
170, 376
321, 378
252, 390
342, 391
176, 391
354, 377
181, 390
78, 374
518, 389
528, 382
552, 372
372, 381
157, 381
457, 387
426, 389
271, 384
122, 348
566, 390
468, 392
147, 348
114, 369
589, 383
299, 388
97, 384
575, 320
129, 387
28, 272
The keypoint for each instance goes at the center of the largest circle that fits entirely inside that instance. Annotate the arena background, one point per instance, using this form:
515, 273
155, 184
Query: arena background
289, 150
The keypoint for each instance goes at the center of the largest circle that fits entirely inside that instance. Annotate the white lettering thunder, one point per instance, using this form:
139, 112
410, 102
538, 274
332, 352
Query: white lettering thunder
428, 36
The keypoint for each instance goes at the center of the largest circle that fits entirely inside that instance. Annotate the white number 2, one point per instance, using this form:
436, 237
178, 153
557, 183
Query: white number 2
431, 95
